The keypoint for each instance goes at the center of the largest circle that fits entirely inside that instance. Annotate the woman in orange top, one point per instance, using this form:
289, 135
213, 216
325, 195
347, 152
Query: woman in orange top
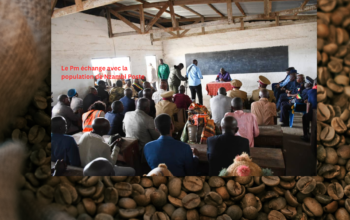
96, 110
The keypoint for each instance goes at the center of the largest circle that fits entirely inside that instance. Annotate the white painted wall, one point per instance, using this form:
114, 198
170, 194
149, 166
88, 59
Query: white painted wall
78, 38
300, 39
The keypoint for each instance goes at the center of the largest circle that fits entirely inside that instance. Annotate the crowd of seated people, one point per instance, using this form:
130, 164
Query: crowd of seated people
139, 111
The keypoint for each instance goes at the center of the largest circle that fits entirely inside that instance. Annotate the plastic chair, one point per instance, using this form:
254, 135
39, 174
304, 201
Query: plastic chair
293, 110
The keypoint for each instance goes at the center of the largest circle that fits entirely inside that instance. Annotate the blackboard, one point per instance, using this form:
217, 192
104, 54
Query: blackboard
256, 60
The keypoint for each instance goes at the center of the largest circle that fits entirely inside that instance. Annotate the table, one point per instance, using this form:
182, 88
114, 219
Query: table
265, 157
269, 136
212, 87
129, 150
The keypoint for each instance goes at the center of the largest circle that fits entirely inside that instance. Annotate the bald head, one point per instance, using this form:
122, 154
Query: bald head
143, 104
229, 124
63, 99
100, 126
222, 91
99, 167
58, 125
237, 104
264, 93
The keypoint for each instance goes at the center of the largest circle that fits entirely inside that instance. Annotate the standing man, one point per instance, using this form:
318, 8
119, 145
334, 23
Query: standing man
176, 77
219, 105
163, 71
223, 76
152, 75
194, 75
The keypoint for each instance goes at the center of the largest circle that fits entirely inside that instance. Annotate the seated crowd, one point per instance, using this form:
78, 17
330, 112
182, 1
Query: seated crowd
141, 112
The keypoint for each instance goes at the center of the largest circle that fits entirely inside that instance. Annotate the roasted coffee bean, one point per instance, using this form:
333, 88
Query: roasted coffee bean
335, 190
174, 187
209, 210
191, 201
36, 134
107, 208
271, 180
192, 183
312, 208
216, 181
111, 195
213, 198
175, 201
124, 189
306, 184
127, 203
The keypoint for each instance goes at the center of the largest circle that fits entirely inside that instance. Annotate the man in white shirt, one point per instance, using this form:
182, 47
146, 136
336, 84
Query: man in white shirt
157, 95
152, 75
92, 146
75, 102
220, 105
138, 124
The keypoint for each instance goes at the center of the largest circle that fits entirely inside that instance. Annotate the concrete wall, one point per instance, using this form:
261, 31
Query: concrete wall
78, 38
300, 39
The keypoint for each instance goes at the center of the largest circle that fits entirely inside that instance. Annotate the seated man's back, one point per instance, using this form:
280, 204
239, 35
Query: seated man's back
138, 124
175, 154
63, 146
222, 149
92, 146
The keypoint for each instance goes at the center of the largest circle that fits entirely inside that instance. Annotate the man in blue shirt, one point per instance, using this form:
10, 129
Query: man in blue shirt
290, 88
279, 88
115, 118
312, 104
178, 156
194, 76
128, 102
63, 146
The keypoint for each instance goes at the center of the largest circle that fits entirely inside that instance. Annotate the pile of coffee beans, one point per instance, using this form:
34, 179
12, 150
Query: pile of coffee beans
158, 197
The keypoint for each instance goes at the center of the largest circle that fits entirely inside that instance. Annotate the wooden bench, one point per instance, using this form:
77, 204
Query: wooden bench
265, 157
129, 150
271, 136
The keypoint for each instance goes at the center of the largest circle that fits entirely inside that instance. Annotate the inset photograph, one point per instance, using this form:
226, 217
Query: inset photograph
184, 88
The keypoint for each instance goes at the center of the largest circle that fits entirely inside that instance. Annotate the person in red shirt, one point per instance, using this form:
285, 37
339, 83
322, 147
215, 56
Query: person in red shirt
181, 100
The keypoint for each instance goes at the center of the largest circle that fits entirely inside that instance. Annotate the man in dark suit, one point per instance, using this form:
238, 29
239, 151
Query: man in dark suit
222, 149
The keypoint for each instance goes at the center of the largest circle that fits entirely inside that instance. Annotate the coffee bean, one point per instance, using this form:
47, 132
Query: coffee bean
277, 203
213, 198
174, 186
335, 190
209, 210
192, 183
276, 215
158, 198
175, 201
323, 112
161, 216
289, 212
124, 189
128, 213
271, 180
191, 201
179, 213
107, 208
111, 195
312, 207
36, 134
216, 181
306, 184
234, 188
327, 134
168, 209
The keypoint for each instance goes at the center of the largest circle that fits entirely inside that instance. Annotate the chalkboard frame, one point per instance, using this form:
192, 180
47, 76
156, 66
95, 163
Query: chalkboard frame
252, 60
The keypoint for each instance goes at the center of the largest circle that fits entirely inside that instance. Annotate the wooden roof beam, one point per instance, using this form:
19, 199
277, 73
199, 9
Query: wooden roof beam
191, 10
302, 5
229, 11
86, 5
126, 21
154, 20
240, 8
216, 10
